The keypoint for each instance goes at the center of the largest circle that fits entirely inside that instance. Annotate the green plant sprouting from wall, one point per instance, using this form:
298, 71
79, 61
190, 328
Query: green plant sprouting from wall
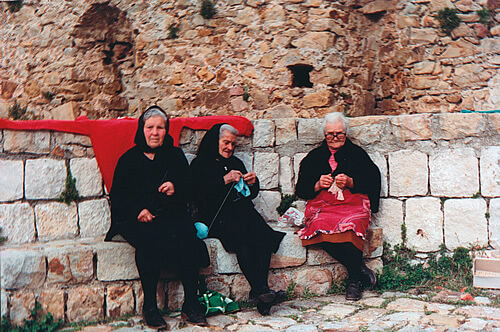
17, 112
286, 202
15, 5
2, 238
70, 193
207, 9
485, 15
172, 31
37, 323
448, 19
49, 95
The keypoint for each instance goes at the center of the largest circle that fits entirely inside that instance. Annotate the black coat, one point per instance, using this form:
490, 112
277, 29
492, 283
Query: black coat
352, 161
237, 224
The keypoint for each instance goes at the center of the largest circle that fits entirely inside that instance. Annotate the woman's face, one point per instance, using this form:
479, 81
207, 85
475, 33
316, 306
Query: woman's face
155, 131
226, 144
335, 135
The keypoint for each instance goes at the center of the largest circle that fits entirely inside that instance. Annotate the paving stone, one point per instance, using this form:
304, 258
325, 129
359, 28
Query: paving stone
460, 217
26, 141
424, 223
267, 169
44, 178
94, 218
490, 313
88, 176
366, 316
26, 268
443, 320
454, 173
11, 178
390, 219
408, 173
56, 221
18, 222
338, 311
490, 171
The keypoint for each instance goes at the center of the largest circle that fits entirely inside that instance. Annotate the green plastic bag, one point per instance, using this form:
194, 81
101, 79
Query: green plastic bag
216, 303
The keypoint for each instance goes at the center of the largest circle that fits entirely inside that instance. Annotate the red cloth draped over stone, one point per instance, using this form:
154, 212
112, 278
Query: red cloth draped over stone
111, 138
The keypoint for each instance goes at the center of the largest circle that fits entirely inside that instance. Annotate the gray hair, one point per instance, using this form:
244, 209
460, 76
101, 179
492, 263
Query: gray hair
154, 111
226, 127
335, 117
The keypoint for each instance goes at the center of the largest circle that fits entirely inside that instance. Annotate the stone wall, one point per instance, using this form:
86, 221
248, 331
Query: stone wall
440, 178
260, 59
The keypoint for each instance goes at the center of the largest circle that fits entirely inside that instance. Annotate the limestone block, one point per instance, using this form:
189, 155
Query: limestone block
495, 223
190, 157
390, 219
17, 222
459, 125
424, 223
87, 175
175, 294
266, 165
85, 304
58, 268
11, 178
408, 173
465, 223
317, 256
381, 163
16, 141
240, 288
45, 178
119, 301
266, 203
73, 259
454, 173
116, 261
286, 131
246, 16
368, 129
246, 158
309, 130
373, 246
317, 281
139, 297
66, 111
4, 303
224, 262
21, 305
297, 159
489, 165
71, 145
411, 127
95, 217
22, 268
52, 300
220, 284
321, 41
318, 99
263, 133
56, 221
290, 253
286, 178
422, 36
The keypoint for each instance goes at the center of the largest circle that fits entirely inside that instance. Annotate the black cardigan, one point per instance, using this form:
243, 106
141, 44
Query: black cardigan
352, 161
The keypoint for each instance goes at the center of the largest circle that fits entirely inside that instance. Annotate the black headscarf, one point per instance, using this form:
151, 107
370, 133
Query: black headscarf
209, 146
140, 139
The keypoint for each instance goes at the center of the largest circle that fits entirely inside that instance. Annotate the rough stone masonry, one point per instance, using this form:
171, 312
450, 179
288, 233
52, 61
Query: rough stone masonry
440, 178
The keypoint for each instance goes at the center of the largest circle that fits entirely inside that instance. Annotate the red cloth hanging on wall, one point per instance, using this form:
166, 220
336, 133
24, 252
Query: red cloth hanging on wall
111, 138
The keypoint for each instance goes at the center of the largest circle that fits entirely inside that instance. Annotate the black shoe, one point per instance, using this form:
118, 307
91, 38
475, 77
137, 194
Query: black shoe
194, 315
354, 290
153, 319
368, 277
267, 296
264, 308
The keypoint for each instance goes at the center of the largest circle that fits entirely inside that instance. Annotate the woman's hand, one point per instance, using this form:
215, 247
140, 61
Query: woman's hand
343, 181
145, 216
167, 188
250, 177
232, 176
325, 181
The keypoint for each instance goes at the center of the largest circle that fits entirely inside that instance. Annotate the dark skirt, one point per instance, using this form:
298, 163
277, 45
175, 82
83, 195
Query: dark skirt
169, 244
240, 225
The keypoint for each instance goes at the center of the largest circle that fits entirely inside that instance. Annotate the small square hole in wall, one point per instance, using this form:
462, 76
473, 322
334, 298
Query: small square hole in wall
300, 75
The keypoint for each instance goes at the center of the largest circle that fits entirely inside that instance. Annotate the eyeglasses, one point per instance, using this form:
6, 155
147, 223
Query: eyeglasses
331, 136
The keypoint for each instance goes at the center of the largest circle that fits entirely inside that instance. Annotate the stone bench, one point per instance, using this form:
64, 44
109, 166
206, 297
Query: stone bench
88, 279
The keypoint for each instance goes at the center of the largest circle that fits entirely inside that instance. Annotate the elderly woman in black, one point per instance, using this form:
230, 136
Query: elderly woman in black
342, 186
224, 191
149, 209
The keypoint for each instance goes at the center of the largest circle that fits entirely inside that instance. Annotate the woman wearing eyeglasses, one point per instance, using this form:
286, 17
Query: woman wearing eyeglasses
342, 186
